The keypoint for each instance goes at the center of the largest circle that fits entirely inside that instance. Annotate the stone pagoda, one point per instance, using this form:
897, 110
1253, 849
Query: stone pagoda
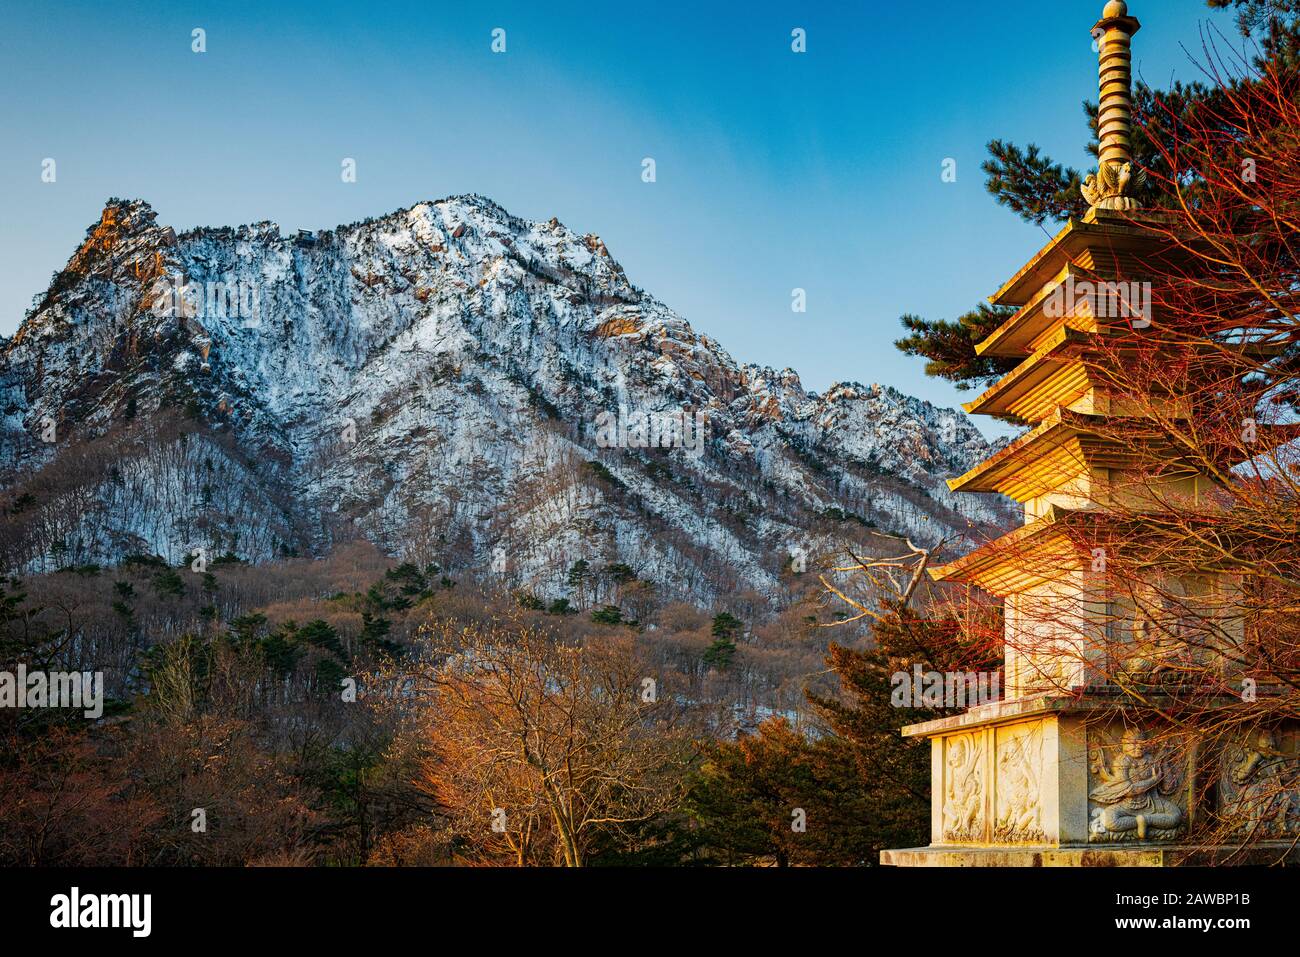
1056, 772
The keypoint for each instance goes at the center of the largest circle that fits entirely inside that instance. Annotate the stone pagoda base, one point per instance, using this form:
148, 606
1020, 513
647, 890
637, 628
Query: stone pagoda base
1074, 780
1113, 855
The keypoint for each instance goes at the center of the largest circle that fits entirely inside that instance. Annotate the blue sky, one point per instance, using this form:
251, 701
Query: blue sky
775, 170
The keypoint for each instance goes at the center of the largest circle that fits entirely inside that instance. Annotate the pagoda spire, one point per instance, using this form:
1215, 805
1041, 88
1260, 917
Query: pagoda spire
1116, 179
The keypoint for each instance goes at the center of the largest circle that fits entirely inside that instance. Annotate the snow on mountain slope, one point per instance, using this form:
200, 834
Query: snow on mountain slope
440, 381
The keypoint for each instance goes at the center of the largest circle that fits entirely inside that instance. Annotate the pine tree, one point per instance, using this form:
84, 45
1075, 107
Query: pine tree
577, 579
776, 796
893, 772
725, 629
609, 615
949, 347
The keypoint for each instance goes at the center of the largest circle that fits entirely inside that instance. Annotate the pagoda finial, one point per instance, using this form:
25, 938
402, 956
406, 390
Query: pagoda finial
1116, 179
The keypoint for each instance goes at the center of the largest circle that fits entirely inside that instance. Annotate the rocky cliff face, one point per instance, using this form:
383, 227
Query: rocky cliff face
451, 382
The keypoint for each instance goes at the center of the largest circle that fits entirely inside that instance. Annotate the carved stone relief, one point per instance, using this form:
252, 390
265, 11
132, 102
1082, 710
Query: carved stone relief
1259, 786
964, 788
1018, 818
1134, 787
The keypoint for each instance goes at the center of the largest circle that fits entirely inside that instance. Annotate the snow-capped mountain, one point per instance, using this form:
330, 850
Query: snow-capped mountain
449, 381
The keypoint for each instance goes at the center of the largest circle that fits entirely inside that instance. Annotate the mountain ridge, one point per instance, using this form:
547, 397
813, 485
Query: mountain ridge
431, 380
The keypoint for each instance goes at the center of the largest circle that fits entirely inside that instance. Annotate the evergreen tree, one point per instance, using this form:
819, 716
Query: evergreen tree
726, 627
620, 573
949, 346
609, 615
168, 583
778, 796
862, 786
577, 579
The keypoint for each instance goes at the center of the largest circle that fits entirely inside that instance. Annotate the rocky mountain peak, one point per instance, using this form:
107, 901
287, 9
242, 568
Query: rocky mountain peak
449, 381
